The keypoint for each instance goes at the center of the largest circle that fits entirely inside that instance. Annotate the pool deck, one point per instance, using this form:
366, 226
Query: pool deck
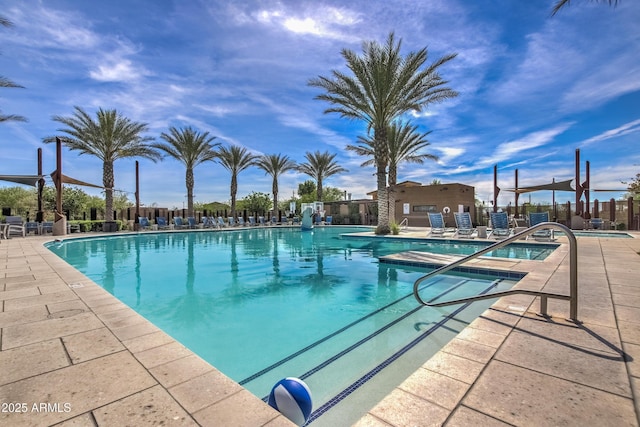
73, 355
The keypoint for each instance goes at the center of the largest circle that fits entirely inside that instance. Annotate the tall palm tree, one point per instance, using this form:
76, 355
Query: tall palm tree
110, 138
562, 3
404, 144
274, 165
384, 86
235, 159
5, 82
191, 148
320, 166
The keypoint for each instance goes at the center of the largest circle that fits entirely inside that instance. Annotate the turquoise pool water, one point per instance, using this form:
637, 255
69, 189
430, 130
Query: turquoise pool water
264, 303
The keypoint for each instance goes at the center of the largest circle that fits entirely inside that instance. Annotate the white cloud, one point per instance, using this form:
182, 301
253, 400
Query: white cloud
625, 129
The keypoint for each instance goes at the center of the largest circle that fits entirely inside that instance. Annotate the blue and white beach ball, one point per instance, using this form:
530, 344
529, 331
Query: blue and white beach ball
292, 397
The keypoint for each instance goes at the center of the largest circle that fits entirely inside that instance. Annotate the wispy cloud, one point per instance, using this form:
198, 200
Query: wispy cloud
625, 129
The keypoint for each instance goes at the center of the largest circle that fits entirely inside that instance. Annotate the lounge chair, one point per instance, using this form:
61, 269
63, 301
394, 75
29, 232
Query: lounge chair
191, 221
177, 222
274, 220
232, 221
261, 220
241, 221
16, 226
162, 223
221, 223
499, 225
464, 226
328, 220
4, 231
252, 221
536, 218
436, 221
295, 220
143, 222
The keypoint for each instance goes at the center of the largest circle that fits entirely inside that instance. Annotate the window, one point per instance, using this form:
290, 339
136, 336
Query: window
425, 208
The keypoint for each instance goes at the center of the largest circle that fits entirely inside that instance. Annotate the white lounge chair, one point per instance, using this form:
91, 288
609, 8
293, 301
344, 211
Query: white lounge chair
16, 226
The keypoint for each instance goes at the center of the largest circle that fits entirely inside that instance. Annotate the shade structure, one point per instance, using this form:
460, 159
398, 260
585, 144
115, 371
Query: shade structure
31, 180
68, 180
552, 186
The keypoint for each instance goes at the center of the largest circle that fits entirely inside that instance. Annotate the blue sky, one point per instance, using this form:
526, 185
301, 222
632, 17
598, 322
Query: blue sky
533, 88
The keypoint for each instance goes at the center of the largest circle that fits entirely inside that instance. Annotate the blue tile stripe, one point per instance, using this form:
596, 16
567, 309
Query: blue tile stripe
384, 328
369, 375
326, 338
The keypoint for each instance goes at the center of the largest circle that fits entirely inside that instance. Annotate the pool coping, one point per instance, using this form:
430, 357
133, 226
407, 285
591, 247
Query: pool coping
38, 289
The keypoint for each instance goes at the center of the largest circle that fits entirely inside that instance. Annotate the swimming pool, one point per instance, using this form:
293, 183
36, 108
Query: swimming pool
261, 304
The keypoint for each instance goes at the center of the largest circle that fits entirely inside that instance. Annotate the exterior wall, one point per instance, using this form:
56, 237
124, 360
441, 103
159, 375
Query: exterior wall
433, 198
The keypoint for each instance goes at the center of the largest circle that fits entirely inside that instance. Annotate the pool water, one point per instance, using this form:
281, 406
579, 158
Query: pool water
262, 304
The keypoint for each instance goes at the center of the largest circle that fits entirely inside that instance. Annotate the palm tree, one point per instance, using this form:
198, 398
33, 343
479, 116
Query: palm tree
110, 138
235, 159
404, 144
191, 148
5, 82
384, 86
274, 165
320, 166
562, 3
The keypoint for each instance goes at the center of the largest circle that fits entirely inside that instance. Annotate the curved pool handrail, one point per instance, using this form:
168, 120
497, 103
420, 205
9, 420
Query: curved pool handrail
573, 273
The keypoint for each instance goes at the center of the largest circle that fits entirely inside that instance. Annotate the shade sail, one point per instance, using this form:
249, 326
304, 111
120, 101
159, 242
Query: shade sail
31, 180
553, 186
68, 180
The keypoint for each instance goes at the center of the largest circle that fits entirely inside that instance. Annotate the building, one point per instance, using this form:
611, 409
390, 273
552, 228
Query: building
414, 201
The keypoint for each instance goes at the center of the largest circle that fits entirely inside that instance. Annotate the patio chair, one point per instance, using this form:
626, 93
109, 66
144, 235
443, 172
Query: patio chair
261, 220
16, 226
143, 221
191, 221
162, 223
241, 221
252, 221
32, 226
232, 221
536, 218
274, 220
47, 227
221, 223
464, 226
436, 221
328, 220
177, 222
499, 225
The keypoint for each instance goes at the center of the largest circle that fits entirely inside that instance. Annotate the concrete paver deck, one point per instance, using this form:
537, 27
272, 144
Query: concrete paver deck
71, 354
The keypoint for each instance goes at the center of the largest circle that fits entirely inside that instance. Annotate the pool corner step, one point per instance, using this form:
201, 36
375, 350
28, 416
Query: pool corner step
501, 267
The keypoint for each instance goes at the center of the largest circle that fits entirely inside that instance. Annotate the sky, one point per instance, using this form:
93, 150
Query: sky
532, 88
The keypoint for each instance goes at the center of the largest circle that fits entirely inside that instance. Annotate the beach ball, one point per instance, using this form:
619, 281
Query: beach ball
292, 398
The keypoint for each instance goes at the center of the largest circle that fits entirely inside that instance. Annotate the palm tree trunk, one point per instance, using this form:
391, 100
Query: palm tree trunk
274, 189
234, 191
383, 199
381, 155
190, 183
319, 189
108, 183
391, 195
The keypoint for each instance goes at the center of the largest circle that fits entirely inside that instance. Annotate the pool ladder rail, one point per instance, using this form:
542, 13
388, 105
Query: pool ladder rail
573, 274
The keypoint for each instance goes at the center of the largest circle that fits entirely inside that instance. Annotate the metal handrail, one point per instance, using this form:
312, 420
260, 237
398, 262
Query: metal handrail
404, 222
573, 274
